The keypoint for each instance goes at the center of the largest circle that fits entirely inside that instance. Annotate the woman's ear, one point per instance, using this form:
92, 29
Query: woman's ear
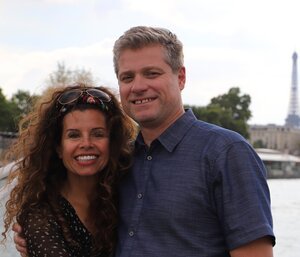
58, 150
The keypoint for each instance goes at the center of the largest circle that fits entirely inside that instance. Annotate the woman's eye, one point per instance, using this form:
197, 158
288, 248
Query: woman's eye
73, 135
99, 134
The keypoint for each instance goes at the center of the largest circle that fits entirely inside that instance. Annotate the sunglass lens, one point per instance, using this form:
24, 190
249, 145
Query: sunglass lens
99, 94
69, 96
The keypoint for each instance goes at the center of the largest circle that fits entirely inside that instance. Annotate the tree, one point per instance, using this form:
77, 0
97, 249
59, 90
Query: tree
23, 102
7, 120
229, 110
236, 104
259, 144
66, 76
11, 111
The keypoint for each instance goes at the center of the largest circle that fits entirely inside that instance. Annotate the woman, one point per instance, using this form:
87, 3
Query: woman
72, 150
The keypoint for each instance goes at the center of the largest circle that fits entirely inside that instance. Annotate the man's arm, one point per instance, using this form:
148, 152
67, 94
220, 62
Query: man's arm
259, 248
19, 241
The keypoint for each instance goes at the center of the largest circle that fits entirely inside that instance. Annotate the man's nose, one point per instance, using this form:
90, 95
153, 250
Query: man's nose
139, 84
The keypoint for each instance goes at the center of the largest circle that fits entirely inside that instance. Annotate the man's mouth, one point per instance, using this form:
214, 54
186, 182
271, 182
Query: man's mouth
143, 101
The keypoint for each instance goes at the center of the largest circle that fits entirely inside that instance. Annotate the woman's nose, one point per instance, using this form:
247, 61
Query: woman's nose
86, 142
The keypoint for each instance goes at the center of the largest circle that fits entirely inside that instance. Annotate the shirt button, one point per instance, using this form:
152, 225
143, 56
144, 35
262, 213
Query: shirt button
149, 158
140, 196
131, 233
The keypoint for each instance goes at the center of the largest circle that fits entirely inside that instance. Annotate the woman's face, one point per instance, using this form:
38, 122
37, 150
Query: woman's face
84, 147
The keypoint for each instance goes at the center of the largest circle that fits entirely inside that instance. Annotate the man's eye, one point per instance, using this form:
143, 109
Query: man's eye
152, 74
126, 78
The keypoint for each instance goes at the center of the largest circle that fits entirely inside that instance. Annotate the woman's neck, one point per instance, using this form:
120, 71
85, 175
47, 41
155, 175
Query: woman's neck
80, 195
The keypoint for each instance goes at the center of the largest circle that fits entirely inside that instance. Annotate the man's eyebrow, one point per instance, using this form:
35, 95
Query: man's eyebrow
125, 72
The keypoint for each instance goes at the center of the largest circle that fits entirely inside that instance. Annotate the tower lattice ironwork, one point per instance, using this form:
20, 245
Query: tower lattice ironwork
293, 118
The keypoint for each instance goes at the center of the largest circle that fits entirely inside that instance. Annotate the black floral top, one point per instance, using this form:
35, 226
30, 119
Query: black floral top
47, 240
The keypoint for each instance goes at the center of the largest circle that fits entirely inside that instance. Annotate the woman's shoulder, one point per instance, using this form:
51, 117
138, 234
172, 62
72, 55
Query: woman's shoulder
37, 217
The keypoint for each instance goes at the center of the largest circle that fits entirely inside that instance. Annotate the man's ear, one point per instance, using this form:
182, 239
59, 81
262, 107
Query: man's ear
181, 77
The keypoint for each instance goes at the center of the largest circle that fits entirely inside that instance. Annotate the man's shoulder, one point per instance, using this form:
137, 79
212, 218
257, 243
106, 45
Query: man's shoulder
211, 130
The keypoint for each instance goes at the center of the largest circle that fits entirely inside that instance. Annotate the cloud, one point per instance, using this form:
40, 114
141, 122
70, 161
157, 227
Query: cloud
64, 2
31, 69
227, 43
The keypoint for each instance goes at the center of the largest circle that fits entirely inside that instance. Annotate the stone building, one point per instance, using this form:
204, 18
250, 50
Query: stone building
282, 138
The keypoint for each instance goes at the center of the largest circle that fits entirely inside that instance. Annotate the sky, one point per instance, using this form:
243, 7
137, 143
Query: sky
232, 43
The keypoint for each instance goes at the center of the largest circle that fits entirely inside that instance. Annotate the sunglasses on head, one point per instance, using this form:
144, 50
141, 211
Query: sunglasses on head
85, 96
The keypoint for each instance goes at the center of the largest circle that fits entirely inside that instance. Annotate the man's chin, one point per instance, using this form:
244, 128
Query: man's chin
144, 120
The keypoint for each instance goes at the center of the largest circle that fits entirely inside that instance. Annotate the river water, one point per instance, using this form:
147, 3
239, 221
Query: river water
285, 196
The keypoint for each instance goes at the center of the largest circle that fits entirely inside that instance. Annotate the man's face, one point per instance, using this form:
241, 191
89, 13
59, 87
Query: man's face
150, 91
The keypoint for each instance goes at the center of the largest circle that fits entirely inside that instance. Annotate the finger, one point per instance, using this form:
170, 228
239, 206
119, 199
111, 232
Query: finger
19, 241
22, 251
17, 228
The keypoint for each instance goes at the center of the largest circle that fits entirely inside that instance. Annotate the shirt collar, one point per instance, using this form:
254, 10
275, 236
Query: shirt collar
174, 134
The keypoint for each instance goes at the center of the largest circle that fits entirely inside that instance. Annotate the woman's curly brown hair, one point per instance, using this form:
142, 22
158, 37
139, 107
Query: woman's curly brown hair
39, 172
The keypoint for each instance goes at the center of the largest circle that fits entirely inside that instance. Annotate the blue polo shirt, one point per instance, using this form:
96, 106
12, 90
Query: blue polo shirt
198, 190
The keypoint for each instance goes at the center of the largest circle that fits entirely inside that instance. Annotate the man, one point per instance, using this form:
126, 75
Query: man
195, 189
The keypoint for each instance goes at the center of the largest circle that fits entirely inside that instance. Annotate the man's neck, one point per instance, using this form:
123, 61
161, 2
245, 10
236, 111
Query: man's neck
150, 133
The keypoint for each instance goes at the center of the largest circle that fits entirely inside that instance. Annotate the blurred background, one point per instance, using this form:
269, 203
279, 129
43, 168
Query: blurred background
240, 73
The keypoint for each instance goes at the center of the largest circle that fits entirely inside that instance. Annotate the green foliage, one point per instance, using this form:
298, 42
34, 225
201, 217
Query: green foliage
236, 104
11, 111
24, 102
7, 122
229, 110
259, 144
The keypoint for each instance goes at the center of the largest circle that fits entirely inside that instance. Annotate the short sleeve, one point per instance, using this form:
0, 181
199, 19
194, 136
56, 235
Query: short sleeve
242, 195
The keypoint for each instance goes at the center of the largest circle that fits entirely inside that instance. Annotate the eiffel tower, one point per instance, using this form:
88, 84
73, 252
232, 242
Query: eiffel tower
293, 118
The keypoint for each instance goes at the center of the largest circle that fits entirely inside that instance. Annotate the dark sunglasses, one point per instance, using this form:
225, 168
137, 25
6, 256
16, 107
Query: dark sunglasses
86, 95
